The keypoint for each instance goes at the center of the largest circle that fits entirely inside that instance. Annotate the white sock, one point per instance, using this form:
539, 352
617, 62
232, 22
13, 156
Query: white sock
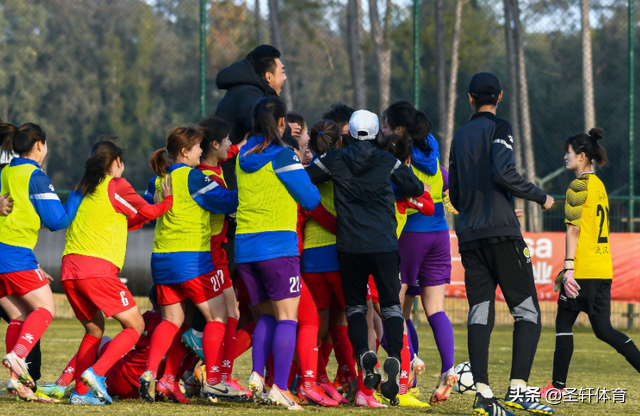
197, 334
518, 384
484, 390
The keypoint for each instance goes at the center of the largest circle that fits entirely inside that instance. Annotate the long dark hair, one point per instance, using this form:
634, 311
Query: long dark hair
178, 138
266, 114
588, 144
325, 136
214, 129
416, 123
20, 140
100, 159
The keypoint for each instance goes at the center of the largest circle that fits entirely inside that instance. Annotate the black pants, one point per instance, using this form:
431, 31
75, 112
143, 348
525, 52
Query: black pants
508, 265
35, 356
355, 270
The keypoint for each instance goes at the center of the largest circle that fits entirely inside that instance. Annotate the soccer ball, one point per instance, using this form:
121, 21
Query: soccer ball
465, 384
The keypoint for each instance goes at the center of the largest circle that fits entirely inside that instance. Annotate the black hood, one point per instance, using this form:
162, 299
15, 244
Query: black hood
361, 156
242, 73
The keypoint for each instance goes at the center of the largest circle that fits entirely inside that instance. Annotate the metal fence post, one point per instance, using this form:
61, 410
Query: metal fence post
203, 58
416, 53
631, 111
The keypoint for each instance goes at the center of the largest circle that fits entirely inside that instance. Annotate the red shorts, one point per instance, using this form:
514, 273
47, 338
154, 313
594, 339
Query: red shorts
322, 286
199, 289
21, 283
88, 296
373, 291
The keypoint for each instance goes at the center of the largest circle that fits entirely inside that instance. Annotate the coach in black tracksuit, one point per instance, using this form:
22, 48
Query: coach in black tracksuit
483, 182
366, 238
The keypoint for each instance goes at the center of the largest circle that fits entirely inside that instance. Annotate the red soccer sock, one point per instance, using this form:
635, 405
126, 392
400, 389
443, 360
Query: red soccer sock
69, 372
326, 349
160, 343
269, 378
307, 349
361, 386
85, 358
119, 346
13, 333
293, 371
343, 351
229, 351
405, 366
377, 345
34, 326
322, 376
176, 354
244, 339
212, 341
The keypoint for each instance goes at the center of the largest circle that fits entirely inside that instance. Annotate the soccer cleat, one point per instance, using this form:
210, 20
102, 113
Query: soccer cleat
224, 390
317, 395
415, 392
407, 400
147, 387
18, 367
520, 402
191, 385
283, 398
332, 392
350, 394
372, 376
391, 384
545, 390
22, 392
53, 391
171, 390
443, 389
235, 383
194, 343
299, 398
88, 398
96, 384
258, 388
364, 400
489, 407
417, 368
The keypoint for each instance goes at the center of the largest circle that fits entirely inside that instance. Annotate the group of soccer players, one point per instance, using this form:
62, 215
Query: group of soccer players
305, 248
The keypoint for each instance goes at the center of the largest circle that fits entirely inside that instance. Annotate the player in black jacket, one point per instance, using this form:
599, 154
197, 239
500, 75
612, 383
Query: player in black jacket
366, 238
483, 182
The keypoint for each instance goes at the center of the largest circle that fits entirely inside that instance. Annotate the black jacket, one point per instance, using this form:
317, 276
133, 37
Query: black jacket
244, 89
483, 180
364, 199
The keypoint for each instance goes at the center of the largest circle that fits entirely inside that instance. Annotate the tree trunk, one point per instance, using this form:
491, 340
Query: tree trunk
441, 78
356, 56
258, 22
587, 68
453, 83
513, 92
381, 52
276, 41
529, 158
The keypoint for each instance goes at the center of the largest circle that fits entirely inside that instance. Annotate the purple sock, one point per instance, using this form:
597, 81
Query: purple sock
443, 333
411, 350
284, 346
383, 342
262, 342
413, 338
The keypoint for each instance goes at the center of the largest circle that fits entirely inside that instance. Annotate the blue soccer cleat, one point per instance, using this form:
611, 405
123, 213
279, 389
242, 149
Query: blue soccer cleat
194, 343
88, 398
520, 402
96, 384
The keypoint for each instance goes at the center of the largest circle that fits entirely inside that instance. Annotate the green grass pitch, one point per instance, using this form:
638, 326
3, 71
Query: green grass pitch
594, 365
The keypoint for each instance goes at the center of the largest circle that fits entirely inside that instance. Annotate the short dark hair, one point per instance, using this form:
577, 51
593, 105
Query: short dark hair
263, 59
297, 118
340, 113
486, 99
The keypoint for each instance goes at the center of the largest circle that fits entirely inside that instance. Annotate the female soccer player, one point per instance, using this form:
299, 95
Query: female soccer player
424, 244
270, 182
585, 281
181, 264
25, 294
94, 254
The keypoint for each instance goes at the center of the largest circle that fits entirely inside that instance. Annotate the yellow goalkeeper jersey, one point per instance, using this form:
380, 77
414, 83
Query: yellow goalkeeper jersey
587, 207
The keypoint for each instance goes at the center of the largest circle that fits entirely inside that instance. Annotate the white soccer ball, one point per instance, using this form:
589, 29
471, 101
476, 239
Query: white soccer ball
465, 384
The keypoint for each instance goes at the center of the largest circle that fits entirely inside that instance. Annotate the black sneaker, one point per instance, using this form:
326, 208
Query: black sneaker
517, 401
391, 384
489, 407
367, 363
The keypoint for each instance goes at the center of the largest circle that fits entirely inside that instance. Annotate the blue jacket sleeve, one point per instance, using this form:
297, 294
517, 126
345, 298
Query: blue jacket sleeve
292, 174
43, 196
210, 195
151, 190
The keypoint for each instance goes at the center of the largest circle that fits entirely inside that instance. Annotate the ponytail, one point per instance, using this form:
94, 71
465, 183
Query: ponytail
266, 114
19, 140
325, 136
101, 157
588, 144
416, 123
178, 138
